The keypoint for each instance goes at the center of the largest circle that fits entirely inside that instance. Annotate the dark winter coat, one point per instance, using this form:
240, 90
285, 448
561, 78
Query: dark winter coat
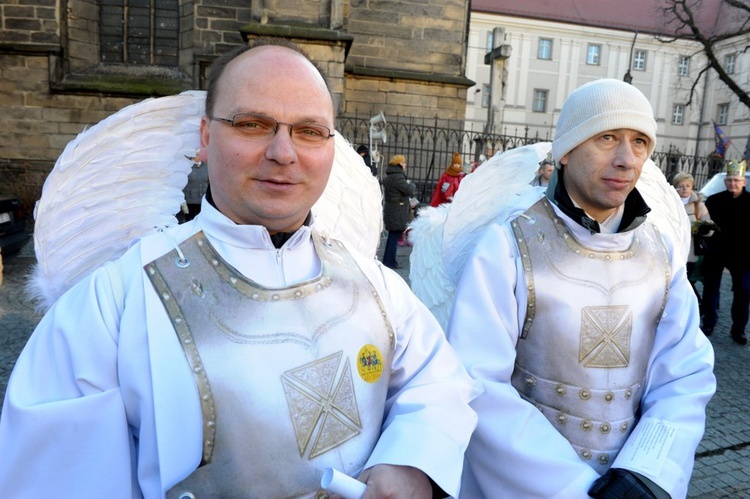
729, 244
396, 193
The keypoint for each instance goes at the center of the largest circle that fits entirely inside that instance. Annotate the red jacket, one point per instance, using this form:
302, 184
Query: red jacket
446, 188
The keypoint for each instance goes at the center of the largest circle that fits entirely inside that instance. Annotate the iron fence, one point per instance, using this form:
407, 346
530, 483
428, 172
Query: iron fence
429, 145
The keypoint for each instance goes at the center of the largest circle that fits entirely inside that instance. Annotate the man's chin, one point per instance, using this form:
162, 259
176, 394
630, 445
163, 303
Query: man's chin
282, 222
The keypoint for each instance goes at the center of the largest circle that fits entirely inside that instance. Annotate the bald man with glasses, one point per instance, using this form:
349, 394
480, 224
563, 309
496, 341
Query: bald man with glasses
243, 353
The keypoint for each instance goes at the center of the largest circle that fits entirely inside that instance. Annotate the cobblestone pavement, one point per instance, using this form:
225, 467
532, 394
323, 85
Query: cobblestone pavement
722, 466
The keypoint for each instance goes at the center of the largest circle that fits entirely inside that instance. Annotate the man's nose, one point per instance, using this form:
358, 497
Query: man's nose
626, 155
281, 148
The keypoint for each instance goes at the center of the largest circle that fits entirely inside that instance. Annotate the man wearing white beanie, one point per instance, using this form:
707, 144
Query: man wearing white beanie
576, 315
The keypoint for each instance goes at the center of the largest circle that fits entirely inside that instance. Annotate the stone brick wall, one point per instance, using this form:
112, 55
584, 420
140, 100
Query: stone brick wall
425, 37
401, 57
407, 59
37, 124
403, 97
29, 22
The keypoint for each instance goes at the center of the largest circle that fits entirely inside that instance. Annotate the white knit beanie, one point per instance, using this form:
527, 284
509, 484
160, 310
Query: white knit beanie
598, 106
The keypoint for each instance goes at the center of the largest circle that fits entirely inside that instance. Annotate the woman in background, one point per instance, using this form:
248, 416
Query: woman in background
397, 190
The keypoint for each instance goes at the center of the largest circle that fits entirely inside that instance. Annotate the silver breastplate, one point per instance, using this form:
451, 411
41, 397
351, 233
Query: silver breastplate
590, 321
292, 380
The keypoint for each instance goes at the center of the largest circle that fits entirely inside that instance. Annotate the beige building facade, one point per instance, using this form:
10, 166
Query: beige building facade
547, 59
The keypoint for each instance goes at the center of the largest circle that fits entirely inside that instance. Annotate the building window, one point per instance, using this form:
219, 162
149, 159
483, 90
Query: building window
722, 114
592, 54
140, 33
683, 66
540, 101
678, 114
486, 95
545, 49
729, 62
639, 60
490, 40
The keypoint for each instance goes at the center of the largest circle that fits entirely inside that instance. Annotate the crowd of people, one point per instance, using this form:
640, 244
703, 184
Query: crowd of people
718, 241
244, 352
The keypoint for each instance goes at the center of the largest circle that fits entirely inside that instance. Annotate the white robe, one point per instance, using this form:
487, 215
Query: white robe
515, 451
102, 403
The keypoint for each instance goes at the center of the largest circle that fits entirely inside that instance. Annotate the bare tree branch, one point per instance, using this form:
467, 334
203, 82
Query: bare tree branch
680, 16
694, 86
738, 4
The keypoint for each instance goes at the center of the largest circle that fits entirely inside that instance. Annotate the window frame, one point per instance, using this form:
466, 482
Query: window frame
540, 51
730, 63
640, 59
139, 35
597, 55
678, 114
535, 98
722, 113
486, 95
683, 66
80, 70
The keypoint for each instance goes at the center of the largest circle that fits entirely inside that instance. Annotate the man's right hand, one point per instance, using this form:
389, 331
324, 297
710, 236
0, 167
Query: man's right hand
385, 481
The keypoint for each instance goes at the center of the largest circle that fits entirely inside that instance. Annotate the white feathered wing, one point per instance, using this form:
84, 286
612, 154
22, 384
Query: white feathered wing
667, 210
498, 191
351, 207
115, 182
444, 236
123, 178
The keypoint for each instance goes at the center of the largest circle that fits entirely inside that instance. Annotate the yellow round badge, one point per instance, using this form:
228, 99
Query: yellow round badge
370, 363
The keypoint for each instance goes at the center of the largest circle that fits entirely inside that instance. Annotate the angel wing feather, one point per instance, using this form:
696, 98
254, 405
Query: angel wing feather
124, 177
667, 210
350, 208
113, 183
443, 237
429, 280
483, 201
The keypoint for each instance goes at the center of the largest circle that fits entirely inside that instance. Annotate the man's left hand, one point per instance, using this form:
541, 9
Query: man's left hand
385, 481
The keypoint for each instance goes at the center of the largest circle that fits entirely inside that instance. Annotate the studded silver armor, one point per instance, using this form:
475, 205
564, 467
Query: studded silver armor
590, 321
291, 380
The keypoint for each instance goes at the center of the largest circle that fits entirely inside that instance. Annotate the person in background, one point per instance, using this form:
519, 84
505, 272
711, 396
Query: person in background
397, 190
242, 353
478, 163
546, 167
700, 220
729, 249
576, 315
448, 182
413, 208
364, 151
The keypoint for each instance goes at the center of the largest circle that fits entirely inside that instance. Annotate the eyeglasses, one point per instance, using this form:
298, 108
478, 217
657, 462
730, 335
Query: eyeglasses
262, 127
